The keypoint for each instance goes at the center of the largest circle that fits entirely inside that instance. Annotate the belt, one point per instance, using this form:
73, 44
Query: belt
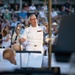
35, 45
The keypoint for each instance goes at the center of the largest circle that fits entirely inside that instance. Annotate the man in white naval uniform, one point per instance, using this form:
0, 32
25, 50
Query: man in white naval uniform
33, 35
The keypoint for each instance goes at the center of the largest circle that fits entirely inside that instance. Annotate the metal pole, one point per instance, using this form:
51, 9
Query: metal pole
20, 5
14, 1
44, 1
49, 22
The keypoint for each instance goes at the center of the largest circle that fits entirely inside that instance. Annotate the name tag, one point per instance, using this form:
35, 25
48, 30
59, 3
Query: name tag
39, 31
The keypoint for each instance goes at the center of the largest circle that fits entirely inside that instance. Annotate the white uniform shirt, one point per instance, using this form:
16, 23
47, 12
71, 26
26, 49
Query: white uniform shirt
34, 36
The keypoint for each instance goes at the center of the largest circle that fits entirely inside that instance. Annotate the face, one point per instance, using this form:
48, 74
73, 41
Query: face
46, 24
33, 20
18, 30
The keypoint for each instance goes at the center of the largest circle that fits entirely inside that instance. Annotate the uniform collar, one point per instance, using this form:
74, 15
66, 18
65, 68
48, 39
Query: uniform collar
34, 27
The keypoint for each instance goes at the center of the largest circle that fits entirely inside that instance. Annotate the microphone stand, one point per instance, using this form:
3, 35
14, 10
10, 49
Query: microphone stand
20, 57
20, 54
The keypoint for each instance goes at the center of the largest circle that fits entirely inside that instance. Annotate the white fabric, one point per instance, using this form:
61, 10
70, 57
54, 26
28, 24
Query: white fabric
43, 28
44, 7
6, 44
5, 65
29, 60
35, 58
34, 37
22, 59
14, 24
54, 14
42, 14
1, 53
32, 8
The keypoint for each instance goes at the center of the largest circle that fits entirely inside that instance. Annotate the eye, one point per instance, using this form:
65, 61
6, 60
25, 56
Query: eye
33, 19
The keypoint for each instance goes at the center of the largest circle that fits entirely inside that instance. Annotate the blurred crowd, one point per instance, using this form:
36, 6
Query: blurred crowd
13, 23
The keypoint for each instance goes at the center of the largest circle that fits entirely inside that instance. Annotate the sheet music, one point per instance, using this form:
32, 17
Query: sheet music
18, 59
22, 60
25, 57
35, 60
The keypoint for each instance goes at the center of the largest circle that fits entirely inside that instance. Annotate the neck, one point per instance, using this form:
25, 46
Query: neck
34, 25
13, 61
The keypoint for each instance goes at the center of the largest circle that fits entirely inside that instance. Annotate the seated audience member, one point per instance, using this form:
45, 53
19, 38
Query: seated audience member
54, 28
16, 35
26, 7
8, 63
54, 14
7, 28
21, 27
14, 24
16, 7
6, 39
67, 6
0, 39
5, 22
22, 15
32, 7
7, 15
42, 13
44, 6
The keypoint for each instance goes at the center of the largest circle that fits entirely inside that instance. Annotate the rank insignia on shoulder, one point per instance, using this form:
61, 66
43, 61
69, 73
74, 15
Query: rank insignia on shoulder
39, 31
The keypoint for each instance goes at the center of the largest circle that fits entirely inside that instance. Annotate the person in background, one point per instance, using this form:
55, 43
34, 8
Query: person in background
42, 14
16, 35
9, 7
6, 39
0, 39
54, 14
0, 25
67, 6
16, 8
4, 23
22, 15
26, 7
14, 24
7, 28
45, 7
1, 16
7, 15
21, 27
32, 7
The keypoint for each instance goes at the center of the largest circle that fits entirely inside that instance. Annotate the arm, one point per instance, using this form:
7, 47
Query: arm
23, 37
7, 39
22, 40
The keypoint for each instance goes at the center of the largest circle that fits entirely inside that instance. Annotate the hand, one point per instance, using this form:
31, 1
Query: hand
21, 40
